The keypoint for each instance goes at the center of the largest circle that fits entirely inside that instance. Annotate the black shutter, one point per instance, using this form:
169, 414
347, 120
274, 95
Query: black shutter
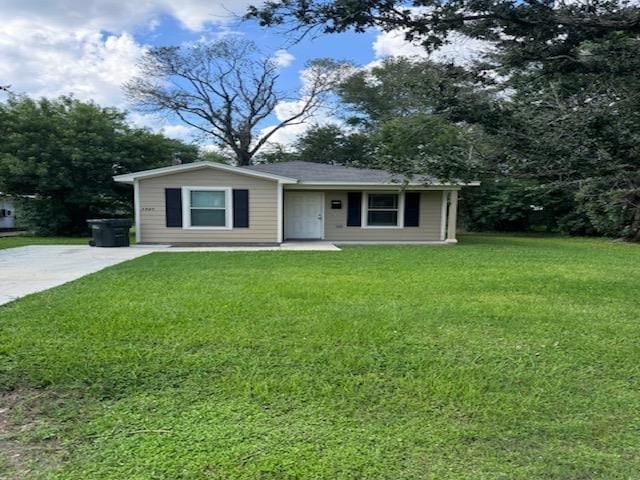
412, 209
240, 208
173, 206
354, 209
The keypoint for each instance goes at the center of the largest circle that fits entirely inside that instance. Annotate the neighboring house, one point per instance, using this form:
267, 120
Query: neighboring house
7, 213
206, 202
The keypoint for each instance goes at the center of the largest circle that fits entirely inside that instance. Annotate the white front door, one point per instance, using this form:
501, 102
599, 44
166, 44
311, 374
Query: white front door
303, 215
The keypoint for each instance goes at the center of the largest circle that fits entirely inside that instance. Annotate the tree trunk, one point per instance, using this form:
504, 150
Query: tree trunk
243, 157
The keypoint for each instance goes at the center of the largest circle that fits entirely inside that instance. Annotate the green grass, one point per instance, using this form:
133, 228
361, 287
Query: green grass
502, 357
24, 240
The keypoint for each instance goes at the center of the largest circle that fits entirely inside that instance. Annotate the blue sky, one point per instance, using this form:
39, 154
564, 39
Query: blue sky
354, 47
91, 47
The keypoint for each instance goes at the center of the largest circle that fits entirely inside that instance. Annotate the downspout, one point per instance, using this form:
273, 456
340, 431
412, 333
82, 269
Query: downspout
136, 209
452, 218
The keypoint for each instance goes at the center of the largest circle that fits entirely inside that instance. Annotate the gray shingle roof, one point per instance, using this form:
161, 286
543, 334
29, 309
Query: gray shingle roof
322, 172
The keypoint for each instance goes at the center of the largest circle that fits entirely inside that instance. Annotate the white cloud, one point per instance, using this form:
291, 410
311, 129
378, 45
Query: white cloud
393, 44
118, 15
45, 61
161, 124
287, 136
460, 50
87, 48
179, 132
282, 58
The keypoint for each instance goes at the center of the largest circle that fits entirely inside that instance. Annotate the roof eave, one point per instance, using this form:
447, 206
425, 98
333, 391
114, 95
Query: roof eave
390, 184
159, 172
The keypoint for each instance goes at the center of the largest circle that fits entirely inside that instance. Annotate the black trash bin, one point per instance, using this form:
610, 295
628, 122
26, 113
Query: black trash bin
109, 232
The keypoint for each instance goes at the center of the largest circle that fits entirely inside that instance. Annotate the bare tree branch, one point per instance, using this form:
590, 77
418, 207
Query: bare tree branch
226, 89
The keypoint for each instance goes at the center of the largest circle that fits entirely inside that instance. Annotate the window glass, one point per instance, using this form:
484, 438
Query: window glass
382, 218
382, 210
383, 200
207, 218
207, 199
208, 208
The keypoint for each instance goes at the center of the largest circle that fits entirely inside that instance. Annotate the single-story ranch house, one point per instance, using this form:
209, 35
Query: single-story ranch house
207, 202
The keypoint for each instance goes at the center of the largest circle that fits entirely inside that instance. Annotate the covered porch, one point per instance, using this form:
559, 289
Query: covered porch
369, 214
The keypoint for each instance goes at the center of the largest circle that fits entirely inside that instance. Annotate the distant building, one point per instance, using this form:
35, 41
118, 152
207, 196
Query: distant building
7, 213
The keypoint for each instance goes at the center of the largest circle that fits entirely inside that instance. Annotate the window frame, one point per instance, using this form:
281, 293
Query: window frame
186, 207
365, 210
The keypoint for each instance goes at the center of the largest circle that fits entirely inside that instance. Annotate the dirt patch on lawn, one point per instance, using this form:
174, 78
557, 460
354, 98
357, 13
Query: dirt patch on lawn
29, 443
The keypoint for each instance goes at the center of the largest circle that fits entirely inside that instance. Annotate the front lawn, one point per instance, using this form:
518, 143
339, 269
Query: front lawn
502, 357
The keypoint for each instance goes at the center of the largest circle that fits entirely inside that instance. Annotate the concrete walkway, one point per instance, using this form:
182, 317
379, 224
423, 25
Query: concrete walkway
310, 246
26, 270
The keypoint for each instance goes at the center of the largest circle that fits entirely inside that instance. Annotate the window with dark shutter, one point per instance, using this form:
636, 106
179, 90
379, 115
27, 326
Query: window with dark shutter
354, 209
412, 209
173, 207
240, 208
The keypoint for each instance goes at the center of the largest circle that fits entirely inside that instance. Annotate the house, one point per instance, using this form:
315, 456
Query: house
7, 213
207, 202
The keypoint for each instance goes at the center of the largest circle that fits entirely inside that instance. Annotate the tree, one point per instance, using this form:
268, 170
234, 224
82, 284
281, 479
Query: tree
430, 144
422, 117
332, 144
567, 121
329, 144
226, 90
276, 152
212, 156
58, 158
536, 29
401, 87
573, 124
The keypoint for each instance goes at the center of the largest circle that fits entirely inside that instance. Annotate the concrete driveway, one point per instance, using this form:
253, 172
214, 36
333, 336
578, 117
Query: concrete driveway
26, 270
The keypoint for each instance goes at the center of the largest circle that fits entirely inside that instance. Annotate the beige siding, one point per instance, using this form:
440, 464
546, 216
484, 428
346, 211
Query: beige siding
263, 212
336, 229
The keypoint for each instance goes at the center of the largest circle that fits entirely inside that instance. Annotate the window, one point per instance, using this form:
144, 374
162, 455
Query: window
206, 207
382, 210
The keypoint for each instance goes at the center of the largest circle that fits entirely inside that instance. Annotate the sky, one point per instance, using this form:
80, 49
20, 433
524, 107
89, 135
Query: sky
89, 48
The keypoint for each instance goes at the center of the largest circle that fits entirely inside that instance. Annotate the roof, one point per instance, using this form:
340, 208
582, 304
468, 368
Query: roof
298, 172
158, 172
323, 172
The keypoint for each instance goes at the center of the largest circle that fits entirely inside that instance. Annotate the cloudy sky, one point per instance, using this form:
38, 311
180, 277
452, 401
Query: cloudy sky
90, 47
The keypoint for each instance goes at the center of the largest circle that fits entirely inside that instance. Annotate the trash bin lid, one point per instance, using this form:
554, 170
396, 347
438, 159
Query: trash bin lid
111, 222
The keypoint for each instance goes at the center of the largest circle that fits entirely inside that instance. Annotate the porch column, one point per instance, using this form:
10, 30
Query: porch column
452, 218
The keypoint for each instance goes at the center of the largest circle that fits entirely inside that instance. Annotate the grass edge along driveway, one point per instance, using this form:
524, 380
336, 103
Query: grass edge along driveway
502, 357
26, 240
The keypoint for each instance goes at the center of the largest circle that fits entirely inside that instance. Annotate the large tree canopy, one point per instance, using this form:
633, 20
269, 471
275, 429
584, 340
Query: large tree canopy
227, 90
330, 144
537, 28
399, 87
58, 157
562, 126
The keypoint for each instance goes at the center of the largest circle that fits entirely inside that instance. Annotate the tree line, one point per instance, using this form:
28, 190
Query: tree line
548, 120
58, 157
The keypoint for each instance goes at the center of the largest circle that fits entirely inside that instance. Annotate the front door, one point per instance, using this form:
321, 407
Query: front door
303, 213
